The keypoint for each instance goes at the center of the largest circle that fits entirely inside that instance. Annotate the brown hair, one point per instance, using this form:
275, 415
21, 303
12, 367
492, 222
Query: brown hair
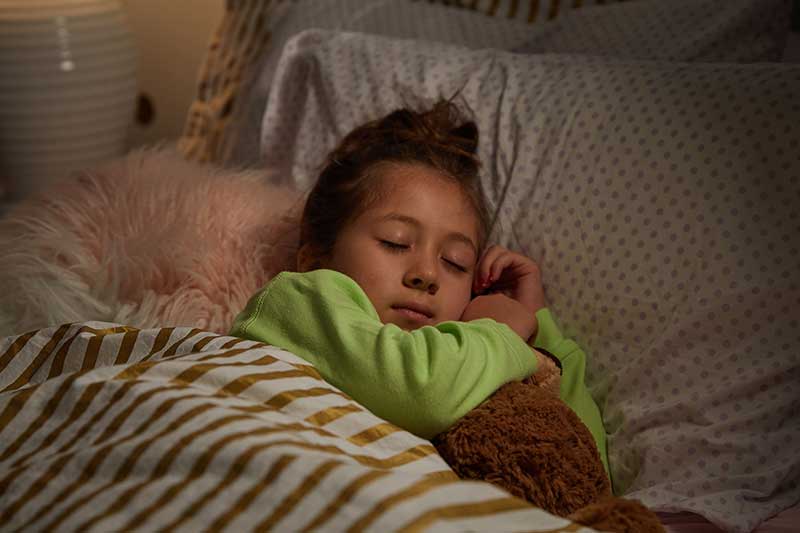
439, 137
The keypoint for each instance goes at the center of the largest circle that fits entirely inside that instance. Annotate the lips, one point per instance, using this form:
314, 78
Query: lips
414, 311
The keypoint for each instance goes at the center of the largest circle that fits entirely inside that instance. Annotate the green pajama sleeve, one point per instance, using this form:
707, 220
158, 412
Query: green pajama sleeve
422, 380
573, 388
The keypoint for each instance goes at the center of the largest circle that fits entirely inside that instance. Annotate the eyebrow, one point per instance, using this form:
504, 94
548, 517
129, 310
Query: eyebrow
416, 223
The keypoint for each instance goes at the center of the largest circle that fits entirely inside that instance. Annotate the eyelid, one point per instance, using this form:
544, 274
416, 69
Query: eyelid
455, 265
460, 257
392, 244
397, 247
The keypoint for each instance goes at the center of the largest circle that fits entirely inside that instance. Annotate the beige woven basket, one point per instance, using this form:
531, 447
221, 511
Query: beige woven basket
243, 36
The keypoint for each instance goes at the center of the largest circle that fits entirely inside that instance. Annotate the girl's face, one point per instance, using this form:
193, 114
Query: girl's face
413, 251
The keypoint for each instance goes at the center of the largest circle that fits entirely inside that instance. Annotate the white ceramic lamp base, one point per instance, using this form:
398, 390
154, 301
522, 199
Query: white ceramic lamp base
67, 88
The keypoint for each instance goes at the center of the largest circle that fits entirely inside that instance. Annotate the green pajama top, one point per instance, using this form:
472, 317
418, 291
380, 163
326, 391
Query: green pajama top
422, 380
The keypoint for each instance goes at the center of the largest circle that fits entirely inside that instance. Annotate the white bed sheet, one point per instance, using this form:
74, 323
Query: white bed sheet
787, 521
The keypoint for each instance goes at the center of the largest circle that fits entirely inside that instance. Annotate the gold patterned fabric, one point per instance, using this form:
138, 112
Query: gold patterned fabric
107, 427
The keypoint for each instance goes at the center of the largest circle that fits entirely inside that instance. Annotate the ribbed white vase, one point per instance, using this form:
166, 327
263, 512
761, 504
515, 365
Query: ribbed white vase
67, 88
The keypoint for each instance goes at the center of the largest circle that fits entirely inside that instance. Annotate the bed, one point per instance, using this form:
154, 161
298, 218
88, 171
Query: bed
644, 152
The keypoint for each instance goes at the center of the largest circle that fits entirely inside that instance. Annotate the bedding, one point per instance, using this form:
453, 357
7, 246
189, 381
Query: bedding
385, 17
735, 31
792, 52
784, 522
684, 30
109, 427
223, 121
244, 50
661, 200
147, 239
657, 186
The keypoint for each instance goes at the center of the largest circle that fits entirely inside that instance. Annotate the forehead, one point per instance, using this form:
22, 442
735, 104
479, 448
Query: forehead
423, 193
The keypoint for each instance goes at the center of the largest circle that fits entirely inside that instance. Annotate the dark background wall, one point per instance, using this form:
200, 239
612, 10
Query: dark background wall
796, 15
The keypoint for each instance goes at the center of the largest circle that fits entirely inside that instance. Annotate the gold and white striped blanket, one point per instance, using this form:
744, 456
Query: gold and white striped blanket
105, 427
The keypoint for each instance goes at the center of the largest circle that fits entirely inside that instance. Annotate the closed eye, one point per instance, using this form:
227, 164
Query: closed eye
455, 265
393, 246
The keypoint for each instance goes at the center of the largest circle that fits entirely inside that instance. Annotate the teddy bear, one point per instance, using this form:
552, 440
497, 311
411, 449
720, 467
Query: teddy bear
527, 441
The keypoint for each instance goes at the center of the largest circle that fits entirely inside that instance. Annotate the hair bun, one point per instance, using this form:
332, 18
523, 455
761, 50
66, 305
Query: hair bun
443, 128
468, 133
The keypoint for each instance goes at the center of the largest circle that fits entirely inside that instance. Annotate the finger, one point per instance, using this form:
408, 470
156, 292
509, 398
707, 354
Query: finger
484, 271
512, 266
500, 265
480, 271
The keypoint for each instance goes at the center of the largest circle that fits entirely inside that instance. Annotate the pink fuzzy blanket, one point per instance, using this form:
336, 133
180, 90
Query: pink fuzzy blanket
147, 240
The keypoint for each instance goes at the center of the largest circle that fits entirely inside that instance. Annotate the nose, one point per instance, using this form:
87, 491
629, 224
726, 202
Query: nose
422, 276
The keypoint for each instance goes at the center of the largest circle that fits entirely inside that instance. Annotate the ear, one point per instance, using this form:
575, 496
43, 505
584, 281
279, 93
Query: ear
307, 259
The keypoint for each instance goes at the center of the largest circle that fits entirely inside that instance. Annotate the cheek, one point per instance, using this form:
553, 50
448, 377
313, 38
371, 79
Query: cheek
359, 260
371, 286
349, 264
458, 300
371, 268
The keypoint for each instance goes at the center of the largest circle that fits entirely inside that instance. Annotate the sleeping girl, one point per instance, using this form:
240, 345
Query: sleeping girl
397, 300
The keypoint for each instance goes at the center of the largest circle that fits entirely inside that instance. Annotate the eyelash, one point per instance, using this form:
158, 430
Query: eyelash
393, 246
396, 248
455, 266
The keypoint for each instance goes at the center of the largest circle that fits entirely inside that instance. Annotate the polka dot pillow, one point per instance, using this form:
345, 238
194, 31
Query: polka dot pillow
738, 31
663, 203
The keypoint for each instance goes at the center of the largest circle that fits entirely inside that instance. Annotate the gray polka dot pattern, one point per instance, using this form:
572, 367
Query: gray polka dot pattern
710, 30
663, 202
402, 19
678, 30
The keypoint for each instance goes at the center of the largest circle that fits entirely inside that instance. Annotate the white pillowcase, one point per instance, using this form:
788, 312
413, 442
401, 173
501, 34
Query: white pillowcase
661, 200
678, 30
736, 31
394, 18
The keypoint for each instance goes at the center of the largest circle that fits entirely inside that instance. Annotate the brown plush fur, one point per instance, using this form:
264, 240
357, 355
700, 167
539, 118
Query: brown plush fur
547, 376
618, 515
529, 442
518, 439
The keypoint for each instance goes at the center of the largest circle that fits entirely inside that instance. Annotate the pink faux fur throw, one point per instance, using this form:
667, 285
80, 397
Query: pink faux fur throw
148, 240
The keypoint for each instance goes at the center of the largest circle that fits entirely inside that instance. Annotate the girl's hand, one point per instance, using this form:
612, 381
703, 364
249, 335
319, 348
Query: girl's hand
515, 275
504, 310
502, 271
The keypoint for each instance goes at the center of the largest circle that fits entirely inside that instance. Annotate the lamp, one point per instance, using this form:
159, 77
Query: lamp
67, 88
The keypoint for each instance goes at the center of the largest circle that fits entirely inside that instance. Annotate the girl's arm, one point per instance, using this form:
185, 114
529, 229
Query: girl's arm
422, 380
573, 388
514, 283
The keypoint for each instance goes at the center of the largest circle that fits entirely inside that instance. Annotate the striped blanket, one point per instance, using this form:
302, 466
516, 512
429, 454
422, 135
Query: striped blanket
108, 427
